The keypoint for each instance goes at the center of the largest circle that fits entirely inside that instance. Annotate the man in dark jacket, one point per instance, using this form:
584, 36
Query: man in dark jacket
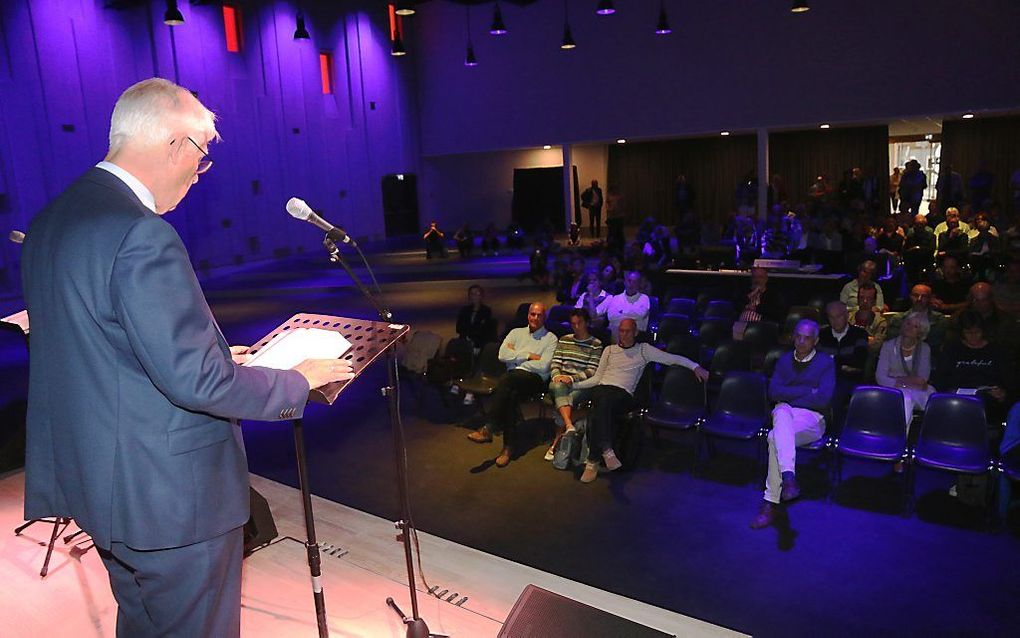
591, 199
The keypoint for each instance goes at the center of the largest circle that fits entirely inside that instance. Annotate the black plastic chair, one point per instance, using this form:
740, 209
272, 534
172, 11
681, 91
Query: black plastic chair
761, 336
681, 306
741, 412
953, 438
874, 429
559, 313
490, 370
731, 356
714, 331
682, 402
795, 315
684, 344
772, 357
671, 325
719, 308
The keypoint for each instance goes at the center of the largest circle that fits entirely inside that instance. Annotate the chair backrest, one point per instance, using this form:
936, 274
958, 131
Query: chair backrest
559, 313
489, 363
743, 394
730, 356
761, 335
719, 308
876, 411
684, 344
462, 352
653, 308
796, 314
682, 389
681, 306
670, 325
955, 421
714, 331
558, 328
771, 358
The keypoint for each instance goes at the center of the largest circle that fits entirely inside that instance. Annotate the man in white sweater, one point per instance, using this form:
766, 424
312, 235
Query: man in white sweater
613, 386
631, 303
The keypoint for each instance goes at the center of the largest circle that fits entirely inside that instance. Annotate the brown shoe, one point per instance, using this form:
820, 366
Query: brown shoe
481, 435
504, 458
764, 517
591, 472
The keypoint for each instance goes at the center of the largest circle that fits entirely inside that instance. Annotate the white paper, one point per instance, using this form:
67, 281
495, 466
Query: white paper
967, 391
290, 348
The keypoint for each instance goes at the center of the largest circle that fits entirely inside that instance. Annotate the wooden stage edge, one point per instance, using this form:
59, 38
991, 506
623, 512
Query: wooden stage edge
276, 601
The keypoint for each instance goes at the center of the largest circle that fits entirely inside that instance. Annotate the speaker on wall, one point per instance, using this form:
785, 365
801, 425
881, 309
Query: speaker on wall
540, 613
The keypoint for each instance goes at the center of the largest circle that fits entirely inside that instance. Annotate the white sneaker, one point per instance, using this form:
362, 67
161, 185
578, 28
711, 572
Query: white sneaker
469, 399
952, 491
610, 460
454, 389
550, 453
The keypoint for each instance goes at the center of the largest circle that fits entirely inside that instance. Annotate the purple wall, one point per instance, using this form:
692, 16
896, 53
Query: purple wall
729, 64
64, 62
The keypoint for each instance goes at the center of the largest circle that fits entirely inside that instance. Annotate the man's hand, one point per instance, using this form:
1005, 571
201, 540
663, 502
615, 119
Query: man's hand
319, 372
563, 378
239, 354
701, 374
510, 346
534, 357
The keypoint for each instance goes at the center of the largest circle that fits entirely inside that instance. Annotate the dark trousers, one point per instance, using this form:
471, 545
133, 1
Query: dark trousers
609, 404
187, 591
517, 384
595, 220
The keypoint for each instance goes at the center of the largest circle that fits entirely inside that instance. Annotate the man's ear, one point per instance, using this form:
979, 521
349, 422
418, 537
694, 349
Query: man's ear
174, 151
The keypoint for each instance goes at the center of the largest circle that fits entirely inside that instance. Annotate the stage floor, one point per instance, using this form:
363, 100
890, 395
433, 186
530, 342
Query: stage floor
276, 602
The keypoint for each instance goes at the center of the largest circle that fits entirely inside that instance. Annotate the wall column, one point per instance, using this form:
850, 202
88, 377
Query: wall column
568, 184
763, 172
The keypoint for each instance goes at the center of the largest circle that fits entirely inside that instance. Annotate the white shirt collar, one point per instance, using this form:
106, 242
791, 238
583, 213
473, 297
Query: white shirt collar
839, 335
138, 188
805, 359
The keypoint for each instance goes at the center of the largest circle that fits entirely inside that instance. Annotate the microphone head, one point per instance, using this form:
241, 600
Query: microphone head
298, 208
16, 236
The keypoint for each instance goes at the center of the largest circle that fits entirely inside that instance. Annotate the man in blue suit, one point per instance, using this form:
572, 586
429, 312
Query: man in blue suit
134, 393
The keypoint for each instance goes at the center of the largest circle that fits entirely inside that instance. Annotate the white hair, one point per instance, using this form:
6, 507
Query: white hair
923, 323
153, 111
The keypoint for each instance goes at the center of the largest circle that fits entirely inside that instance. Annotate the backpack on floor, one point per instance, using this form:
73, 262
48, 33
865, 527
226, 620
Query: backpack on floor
572, 448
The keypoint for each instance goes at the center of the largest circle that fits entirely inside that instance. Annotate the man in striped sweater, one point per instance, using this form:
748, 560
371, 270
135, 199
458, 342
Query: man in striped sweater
613, 386
575, 359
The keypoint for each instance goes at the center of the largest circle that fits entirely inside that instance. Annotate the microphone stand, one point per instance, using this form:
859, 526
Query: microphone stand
416, 627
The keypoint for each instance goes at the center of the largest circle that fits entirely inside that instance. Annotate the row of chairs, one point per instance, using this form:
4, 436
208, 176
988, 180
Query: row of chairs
953, 435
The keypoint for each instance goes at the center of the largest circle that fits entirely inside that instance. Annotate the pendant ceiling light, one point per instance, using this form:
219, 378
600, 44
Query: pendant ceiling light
172, 17
469, 57
799, 6
301, 33
568, 38
398, 45
662, 27
497, 27
405, 8
605, 8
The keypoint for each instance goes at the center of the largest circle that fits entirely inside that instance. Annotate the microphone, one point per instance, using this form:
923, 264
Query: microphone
16, 236
300, 210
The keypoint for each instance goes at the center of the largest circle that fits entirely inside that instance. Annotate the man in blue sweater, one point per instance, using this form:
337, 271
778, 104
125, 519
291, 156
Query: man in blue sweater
802, 387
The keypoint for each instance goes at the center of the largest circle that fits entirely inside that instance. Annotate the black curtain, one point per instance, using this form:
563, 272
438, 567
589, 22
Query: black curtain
993, 141
538, 198
645, 174
799, 157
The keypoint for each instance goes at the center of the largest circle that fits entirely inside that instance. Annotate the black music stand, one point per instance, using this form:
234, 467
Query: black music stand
369, 340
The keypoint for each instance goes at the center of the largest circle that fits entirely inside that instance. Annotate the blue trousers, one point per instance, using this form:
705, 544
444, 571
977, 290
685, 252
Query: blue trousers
192, 591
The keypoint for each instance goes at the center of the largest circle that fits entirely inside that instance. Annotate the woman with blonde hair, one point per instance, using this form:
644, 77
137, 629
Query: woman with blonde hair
905, 363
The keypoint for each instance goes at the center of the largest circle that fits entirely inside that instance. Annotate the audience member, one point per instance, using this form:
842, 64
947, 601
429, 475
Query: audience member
435, 243
865, 275
949, 188
490, 241
847, 344
918, 247
612, 392
1007, 291
802, 386
976, 365
905, 364
573, 282
683, 196
631, 303
474, 321
949, 292
593, 295
952, 236
1000, 328
894, 188
921, 302
762, 304
912, 186
890, 237
527, 353
591, 199
575, 359
868, 317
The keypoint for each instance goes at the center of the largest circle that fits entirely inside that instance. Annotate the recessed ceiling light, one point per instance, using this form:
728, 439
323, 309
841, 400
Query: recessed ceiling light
724, 133
823, 126
968, 116
621, 141
547, 147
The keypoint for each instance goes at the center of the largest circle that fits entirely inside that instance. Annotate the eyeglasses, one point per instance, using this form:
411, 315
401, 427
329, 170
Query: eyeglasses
204, 164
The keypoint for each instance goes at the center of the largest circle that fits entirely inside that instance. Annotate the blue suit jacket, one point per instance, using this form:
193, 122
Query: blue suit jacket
132, 388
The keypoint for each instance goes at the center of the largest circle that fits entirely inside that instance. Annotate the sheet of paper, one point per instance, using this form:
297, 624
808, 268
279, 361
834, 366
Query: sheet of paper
290, 348
967, 391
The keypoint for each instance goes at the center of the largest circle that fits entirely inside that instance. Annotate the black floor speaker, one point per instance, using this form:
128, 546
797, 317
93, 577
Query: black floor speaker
260, 528
539, 613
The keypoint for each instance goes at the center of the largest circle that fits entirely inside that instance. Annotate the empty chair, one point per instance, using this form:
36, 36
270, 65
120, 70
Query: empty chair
795, 315
714, 331
686, 344
953, 436
741, 412
456, 362
729, 357
490, 369
719, 308
682, 402
873, 429
681, 306
818, 303
671, 325
760, 336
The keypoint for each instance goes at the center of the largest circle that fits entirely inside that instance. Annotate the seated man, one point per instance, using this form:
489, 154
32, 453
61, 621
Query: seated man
575, 359
527, 353
761, 304
435, 241
593, 295
845, 343
867, 316
865, 275
949, 293
1001, 329
631, 303
613, 386
920, 301
802, 387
